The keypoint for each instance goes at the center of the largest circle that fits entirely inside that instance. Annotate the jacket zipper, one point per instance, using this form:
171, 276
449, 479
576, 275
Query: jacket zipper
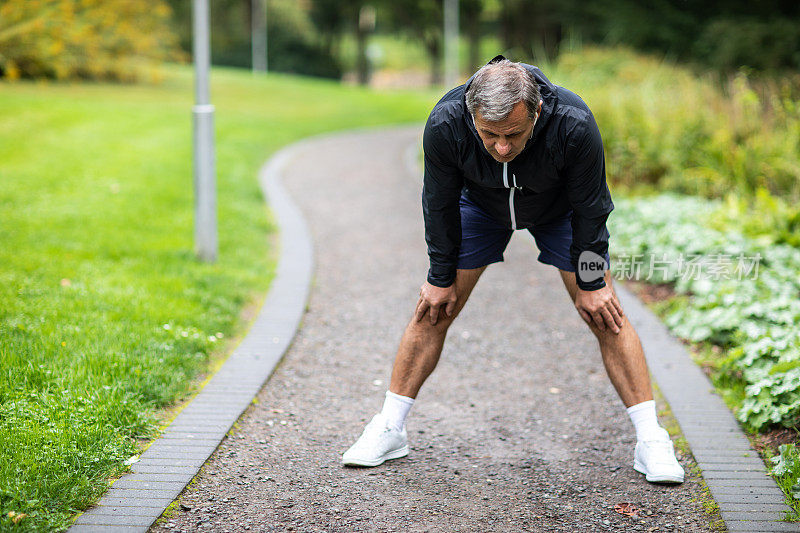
511, 190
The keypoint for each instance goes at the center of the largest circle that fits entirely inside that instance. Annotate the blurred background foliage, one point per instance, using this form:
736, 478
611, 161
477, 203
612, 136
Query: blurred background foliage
666, 127
91, 39
104, 38
298, 42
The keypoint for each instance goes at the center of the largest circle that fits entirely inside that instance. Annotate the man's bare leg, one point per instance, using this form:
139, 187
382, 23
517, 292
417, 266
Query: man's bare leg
622, 353
623, 357
422, 343
385, 436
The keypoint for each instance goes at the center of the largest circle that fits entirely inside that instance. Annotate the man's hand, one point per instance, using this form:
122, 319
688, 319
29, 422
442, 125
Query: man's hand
431, 300
600, 308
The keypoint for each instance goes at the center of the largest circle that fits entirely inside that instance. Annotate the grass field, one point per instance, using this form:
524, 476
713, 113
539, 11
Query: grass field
106, 318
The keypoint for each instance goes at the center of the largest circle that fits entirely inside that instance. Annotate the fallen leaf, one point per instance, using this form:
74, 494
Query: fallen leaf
627, 509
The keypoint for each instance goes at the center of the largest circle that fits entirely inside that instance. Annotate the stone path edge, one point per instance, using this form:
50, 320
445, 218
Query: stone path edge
136, 500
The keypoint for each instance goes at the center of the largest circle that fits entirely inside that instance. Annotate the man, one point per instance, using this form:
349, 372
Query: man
509, 150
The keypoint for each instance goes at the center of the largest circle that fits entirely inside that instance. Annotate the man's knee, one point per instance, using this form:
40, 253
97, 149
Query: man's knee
424, 326
608, 337
465, 282
602, 335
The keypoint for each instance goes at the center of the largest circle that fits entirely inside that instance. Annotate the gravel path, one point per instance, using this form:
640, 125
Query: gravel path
518, 429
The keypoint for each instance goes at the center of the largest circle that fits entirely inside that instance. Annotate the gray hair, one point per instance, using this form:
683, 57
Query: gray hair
498, 87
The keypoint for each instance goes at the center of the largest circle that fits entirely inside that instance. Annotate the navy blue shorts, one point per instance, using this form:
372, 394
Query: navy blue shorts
484, 239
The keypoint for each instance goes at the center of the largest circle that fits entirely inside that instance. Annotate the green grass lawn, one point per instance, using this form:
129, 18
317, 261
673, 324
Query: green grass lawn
106, 317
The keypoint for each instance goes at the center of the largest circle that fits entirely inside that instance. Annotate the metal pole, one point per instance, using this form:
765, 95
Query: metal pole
258, 34
451, 70
205, 201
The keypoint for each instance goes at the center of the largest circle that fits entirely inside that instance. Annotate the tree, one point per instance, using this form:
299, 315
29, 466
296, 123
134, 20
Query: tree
724, 34
423, 19
533, 29
471, 11
335, 17
332, 18
295, 44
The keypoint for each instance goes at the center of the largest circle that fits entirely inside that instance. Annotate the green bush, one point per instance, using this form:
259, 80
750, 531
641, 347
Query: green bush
109, 39
767, 45
666, 128
765, 217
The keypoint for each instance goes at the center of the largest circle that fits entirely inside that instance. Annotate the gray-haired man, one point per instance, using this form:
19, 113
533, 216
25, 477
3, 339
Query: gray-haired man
509, 150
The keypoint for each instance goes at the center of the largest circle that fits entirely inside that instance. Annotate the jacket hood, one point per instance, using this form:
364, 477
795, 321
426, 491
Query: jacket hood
546, 89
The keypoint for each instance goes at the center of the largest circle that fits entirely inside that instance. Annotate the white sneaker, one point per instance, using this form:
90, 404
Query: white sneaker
656, 460
378, 443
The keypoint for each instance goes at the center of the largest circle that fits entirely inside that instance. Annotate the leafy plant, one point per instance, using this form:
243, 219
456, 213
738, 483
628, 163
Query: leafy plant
786, 471
744, 295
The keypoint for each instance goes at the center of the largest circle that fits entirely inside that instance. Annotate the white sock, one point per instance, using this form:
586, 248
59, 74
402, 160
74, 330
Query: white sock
396, 408
643, 416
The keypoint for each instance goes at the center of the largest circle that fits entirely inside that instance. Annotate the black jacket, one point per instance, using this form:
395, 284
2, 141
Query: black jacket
561, 169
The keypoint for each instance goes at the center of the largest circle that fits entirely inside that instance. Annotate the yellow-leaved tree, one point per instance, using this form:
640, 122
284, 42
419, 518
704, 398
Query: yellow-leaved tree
90, 39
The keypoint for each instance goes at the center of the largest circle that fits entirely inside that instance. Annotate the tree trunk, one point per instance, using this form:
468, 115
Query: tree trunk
507, 26
472, 11
434, 47
364, 26
553, 40
474, 44
362, 62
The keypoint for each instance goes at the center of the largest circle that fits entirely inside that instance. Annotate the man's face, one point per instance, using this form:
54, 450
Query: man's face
505, 139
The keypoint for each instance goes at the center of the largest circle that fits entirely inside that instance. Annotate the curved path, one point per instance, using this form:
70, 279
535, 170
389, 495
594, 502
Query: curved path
517, 430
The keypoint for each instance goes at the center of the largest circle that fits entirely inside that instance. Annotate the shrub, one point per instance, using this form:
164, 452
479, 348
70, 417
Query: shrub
93, 39
768, 45
666, 128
